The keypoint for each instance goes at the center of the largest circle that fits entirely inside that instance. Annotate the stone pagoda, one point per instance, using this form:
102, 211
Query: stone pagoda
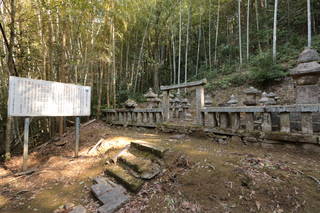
306, 76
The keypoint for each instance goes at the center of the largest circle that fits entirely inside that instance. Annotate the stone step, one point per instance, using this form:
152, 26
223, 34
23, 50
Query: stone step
144, 168
112, 195
148, 147
124, 177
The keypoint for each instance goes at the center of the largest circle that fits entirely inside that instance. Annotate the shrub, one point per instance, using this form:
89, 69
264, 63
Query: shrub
263, 70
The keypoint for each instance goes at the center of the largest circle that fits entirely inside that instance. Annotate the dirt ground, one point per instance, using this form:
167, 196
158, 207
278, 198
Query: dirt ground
200, 176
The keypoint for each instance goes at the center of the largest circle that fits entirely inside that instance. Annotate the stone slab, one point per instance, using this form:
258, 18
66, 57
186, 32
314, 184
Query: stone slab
124, 177
306, 68
234, 109
184, 85
307, 80
307, 94
308, 55
291, 137
110, 194
148, 147
145, 168
275, 108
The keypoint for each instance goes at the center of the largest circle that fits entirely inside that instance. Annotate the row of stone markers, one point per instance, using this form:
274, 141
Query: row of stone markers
135, 117
153, 114
260, 119
259, 116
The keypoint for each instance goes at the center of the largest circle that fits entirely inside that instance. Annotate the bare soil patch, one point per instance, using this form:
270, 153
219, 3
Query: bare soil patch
200, 176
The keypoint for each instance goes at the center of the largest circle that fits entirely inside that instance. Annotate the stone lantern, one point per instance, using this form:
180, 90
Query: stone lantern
306, 76
176, 107
272, 98
233, 101
251, 95
130, 104
208, 101
157, 102
267, 99
151, 98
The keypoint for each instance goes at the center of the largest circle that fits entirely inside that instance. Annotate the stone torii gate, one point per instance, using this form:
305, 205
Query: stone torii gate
199, 85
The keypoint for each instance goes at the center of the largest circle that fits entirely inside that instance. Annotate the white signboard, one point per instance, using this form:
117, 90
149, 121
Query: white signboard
28, 97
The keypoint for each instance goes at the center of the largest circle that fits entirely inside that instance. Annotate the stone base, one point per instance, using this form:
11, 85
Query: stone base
307, 94
112, 195
145, 146
143, 168
124, 177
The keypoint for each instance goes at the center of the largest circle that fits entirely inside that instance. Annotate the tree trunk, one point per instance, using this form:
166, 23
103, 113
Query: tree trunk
257, 23
174, 58
217, 34
209, 39
187, 45
198, 52
12, 71
239, 24
100, 90
274, 48
180, 32
309, 23
113, 64
248, 27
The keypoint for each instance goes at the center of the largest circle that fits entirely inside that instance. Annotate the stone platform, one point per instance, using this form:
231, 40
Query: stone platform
131, 168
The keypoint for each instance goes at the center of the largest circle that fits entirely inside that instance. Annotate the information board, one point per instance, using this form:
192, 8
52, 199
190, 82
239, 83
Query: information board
30, 98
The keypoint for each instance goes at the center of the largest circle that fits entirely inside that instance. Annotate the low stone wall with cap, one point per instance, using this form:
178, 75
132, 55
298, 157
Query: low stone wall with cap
265, 124
134, 117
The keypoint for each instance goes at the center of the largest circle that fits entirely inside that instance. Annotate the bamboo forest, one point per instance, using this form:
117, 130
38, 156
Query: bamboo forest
159, 106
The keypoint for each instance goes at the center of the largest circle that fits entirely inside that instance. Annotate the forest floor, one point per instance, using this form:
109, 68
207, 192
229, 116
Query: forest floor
200, 176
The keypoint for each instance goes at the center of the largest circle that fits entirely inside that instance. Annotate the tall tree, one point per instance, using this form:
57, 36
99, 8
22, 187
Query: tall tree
239, 25
217, 34
274, 46
257, 24
187, 46
209, 39
180, 34
309, 23
248, 28
11, 69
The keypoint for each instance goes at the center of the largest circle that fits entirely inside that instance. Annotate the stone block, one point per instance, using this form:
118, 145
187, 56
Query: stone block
250, 139
112, 195
124, 177
307, 94
308, 55
285, 122
145, 146
307, 80
306, 122
145, 168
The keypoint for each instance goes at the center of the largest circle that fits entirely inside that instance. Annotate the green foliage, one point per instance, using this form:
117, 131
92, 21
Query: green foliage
232, 80
262, 69
124, 95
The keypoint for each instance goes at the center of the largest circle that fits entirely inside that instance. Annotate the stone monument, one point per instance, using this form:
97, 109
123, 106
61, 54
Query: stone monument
306, 76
